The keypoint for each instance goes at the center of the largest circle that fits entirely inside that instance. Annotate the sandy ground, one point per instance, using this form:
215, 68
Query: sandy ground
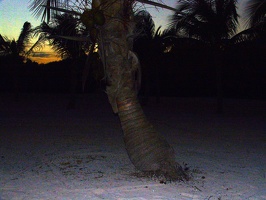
48, 152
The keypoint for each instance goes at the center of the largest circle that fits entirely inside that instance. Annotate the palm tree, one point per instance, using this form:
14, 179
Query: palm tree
211, 21
16, 51
112, 19
57, 32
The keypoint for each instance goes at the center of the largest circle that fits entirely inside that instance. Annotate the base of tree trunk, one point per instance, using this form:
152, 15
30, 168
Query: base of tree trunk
148, 150
179, 174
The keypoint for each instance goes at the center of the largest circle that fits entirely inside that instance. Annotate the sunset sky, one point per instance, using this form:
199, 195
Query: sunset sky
13, 14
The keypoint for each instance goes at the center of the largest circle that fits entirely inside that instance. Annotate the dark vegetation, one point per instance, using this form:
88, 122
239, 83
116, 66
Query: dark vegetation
187, 71
54, 77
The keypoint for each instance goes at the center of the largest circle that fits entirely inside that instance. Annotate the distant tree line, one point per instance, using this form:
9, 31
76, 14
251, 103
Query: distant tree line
191, 73
179, 61
54, 77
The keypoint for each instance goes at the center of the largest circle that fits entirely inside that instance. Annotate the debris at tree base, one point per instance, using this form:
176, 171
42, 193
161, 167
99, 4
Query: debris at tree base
166, 175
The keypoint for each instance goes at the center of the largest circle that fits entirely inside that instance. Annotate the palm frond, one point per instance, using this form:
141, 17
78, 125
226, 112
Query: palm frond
246, 35
157, 4
255, 11
145, 25
64, 35
72, 12
74, 38
205, 20
49, 8
38, 45
24, 37
255, 32
2, 41
230, 13
43, 7
158, 32
4, 46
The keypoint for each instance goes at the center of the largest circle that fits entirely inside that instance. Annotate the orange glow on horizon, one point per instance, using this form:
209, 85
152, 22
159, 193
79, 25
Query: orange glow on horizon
45, 60
45, 56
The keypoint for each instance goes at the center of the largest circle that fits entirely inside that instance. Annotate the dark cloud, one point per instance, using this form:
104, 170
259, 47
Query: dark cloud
42, 54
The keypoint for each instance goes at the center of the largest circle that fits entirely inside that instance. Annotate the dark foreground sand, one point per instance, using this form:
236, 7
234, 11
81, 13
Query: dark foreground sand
48, 152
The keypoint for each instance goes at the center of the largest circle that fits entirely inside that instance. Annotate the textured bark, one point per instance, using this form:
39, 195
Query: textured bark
147, 149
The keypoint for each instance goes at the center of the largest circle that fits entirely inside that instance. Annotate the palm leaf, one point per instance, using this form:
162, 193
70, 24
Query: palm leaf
157, 4
73, 38
24, 37
206, 20
64, 35
250, 34
42, 7
39, 44
144, 24
4, 46
255, 11
63, 10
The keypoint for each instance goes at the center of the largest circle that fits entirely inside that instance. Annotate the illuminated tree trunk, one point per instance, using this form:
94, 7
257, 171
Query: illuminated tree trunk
147, 149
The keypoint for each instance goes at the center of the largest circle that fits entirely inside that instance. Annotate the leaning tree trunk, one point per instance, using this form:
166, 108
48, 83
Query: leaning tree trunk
147, 149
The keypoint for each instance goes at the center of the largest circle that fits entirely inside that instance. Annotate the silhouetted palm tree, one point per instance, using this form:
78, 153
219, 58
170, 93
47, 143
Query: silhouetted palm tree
16, 51
59, 33
211, 21
147, 149
17, 48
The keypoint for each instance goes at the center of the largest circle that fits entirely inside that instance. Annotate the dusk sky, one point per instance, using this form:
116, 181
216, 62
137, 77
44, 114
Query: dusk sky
13, 14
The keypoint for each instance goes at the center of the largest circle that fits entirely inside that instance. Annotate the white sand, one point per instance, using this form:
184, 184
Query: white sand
48, 152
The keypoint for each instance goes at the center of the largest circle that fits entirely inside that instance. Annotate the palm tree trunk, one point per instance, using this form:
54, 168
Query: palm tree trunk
147, 149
